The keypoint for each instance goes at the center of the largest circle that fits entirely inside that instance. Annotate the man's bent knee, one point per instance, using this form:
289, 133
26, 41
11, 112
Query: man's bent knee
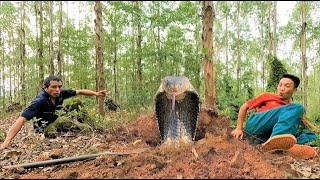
298, 107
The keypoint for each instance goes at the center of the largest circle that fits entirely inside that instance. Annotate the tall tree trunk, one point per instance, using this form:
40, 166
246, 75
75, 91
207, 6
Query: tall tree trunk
3, 76
22, 57
79, 43
51, 65
159, 43
303, 53
36, 3
99, 54
262, 46
227, 45
208, 15
15, 68
139, 40
11, 64
115, 59
269, 32
39, 53
68, 81
238, 46
274, 29
59, 58
41, 64
133, 47
198, 47
2, 65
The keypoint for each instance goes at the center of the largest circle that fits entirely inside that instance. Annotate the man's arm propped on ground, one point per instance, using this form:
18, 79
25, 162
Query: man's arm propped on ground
13, 131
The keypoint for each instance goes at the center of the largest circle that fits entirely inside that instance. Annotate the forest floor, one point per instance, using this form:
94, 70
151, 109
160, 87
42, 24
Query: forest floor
214, 154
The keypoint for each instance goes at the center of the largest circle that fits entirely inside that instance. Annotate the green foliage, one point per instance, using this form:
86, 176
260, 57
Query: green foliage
315, 120
72, 104
316, 142
66, 124
75, 109
93, 150
276, 70
228, 101
8, 12
205, 50
75, 116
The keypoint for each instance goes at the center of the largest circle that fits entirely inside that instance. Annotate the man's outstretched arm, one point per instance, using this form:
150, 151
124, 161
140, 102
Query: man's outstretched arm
87, 92
13, 131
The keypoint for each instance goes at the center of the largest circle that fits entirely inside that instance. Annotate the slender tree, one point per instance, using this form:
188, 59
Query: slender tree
99, 54
133, 42
67, 70
11, 49
274, 28
2, 65
269, 32
36, 10
261, 40
139, 40
208, 15
159, 42
115, 53
197, 49
22, 56
40, 50
39, 42
227, 39
303, 53
238, 46
59, 58
51, 65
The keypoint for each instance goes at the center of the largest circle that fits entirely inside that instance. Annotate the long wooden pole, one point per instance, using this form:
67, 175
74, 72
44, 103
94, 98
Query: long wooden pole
65, 160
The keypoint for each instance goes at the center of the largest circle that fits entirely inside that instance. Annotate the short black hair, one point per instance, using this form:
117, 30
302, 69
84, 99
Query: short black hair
294, 78
46, 82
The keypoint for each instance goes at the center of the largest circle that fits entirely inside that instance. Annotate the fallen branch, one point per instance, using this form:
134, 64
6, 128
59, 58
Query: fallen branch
64, 160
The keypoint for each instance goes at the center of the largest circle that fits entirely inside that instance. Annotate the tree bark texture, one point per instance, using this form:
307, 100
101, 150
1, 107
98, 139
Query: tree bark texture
99, 55
22, 56
59, 58
51, 65
303, 54
207, 45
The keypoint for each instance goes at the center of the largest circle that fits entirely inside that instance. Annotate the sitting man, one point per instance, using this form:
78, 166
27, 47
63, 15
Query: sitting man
276, 123
44, 105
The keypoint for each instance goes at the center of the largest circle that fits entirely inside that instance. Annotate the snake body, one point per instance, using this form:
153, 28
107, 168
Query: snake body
177, 107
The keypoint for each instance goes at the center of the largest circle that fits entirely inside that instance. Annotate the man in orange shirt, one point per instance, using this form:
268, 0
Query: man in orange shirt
276, 123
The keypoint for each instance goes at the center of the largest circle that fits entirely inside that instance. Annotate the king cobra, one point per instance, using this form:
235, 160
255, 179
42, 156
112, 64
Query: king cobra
177, 108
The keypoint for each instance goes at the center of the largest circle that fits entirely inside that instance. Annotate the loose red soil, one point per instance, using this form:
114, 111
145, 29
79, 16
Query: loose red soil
213, 154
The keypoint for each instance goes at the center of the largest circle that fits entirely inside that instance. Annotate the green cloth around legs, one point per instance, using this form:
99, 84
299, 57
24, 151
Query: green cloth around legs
281, 120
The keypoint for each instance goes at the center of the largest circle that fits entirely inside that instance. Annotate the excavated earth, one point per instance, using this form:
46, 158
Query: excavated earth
213, 154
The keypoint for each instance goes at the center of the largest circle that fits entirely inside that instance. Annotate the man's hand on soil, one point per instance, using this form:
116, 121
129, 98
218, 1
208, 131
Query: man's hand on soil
237, 133
4, 145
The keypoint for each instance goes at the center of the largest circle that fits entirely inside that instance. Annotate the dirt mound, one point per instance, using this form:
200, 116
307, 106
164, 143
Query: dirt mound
214, 154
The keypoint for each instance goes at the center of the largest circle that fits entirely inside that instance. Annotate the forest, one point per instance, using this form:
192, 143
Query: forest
144, 41
230, 51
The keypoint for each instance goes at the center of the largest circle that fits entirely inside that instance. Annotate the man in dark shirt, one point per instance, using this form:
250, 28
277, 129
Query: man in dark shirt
44, 105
